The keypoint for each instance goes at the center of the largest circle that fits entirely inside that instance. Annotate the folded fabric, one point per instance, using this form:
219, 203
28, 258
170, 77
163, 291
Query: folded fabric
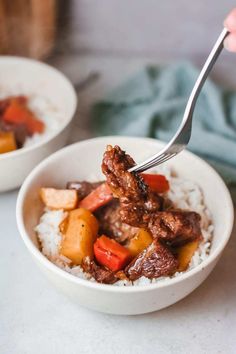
152, 104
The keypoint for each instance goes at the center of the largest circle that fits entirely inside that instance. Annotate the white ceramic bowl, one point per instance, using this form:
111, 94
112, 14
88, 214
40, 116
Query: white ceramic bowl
35, 78
77, 162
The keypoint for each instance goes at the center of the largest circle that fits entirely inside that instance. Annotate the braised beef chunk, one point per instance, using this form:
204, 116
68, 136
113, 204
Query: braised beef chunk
175, 226
100, 274
124, 185
140, 207
84, 188
137, 201
155, 261
111, 225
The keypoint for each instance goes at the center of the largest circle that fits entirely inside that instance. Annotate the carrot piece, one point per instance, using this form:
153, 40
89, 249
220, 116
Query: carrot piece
157, 183
97, 198
18, 113
15, 113
34, 125
7, 142
111, 254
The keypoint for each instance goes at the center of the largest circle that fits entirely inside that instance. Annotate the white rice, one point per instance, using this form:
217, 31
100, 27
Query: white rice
42, 107
183, 193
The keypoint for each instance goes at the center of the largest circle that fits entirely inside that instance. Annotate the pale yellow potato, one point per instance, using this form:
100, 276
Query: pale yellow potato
87, 216
185, 254
66, 199
7, 142
139, 242
80, 233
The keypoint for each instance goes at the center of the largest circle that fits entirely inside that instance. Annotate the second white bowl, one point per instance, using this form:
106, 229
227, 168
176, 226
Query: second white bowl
24, 76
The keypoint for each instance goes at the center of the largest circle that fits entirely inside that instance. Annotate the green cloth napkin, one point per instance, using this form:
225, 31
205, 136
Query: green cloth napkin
152, 104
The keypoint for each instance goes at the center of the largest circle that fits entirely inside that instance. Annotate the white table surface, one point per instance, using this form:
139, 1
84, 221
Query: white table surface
35, 318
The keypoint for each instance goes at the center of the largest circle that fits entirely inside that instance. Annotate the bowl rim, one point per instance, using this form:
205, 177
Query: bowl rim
70, 88
213, 256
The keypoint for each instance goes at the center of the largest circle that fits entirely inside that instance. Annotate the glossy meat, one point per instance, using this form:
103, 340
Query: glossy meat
111, 224
100, 274
140, 207
155, 261
175, 227
137, 201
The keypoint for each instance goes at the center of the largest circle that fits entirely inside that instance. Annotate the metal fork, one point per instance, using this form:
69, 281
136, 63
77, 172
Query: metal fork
181, 138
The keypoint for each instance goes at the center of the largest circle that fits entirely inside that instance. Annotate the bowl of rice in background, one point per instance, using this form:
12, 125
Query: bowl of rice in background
52, 98
193, 185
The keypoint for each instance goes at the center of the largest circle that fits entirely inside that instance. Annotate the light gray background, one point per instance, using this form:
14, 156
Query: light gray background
177, 27
117, 38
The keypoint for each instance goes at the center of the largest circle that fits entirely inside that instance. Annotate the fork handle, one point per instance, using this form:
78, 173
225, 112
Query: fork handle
215, 52
183, 134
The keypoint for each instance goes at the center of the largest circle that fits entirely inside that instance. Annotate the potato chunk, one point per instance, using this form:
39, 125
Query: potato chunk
7, 142
139, 242
80, 234
59, 198
185, 254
